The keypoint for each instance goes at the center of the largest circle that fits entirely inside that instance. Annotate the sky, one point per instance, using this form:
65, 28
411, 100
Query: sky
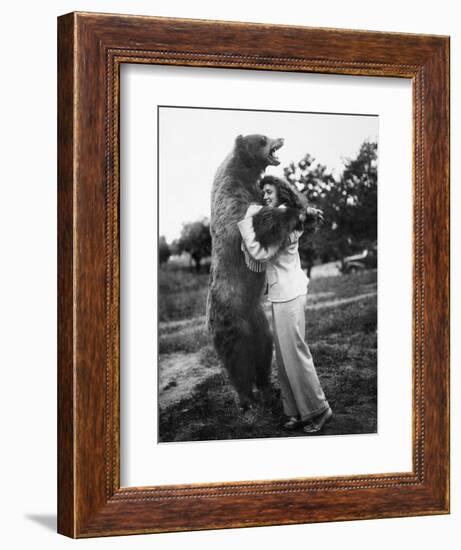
194, 142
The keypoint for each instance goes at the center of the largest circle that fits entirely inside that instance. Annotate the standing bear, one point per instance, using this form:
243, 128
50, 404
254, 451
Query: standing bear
235, 316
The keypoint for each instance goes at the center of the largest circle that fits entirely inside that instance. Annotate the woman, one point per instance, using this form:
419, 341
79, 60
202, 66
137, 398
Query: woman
302, 396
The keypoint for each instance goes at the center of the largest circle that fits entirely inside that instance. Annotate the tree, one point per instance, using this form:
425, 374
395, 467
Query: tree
316, 183
164, 251
196, 240
360, 188
176, 248
349, 204
313, 181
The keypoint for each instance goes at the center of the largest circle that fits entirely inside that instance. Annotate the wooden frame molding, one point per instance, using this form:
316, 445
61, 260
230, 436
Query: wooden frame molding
91, 48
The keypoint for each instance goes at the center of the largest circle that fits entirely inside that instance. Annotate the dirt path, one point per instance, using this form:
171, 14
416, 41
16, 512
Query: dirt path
339, 301
179, 375
173, 326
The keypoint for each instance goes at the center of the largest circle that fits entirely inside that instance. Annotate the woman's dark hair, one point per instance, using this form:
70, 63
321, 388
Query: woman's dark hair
285, 192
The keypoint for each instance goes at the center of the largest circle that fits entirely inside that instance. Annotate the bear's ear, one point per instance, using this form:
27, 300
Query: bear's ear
240, 145
240, 141
242, 150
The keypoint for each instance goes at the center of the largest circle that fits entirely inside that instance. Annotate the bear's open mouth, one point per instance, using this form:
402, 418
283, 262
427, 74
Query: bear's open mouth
273, 151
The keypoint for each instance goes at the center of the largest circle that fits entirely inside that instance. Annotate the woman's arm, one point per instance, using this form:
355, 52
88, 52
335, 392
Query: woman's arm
253, 246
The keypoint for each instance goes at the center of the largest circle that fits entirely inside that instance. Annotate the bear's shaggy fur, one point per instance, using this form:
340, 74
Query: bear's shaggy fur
235, 317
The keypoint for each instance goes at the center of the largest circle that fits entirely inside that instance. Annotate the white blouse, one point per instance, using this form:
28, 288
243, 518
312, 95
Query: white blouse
285, 278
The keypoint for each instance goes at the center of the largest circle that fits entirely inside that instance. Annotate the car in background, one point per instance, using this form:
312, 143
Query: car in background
367, 259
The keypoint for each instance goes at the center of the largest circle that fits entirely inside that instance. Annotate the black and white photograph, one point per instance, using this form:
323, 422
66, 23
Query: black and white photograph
267, 273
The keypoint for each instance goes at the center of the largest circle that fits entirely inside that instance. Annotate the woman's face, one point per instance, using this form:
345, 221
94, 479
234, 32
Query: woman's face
270, 195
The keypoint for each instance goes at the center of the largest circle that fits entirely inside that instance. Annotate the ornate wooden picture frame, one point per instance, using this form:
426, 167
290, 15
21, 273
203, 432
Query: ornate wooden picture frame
92, 47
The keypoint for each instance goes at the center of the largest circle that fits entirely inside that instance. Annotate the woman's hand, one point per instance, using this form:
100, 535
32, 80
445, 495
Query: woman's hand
312, 218
314, 215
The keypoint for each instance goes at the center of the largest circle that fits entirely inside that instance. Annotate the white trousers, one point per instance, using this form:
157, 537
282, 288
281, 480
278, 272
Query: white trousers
300, 387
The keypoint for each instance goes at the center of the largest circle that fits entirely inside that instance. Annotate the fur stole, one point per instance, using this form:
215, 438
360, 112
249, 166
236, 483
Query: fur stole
273, 226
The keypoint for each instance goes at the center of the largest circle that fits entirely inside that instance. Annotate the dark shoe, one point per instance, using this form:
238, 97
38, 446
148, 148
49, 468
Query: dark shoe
319, 422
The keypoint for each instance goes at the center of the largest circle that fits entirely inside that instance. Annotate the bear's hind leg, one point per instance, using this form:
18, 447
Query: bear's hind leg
241, 374
263, 345
234, 343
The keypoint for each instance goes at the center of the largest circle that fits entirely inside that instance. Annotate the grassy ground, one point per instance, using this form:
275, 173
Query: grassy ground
196, 401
